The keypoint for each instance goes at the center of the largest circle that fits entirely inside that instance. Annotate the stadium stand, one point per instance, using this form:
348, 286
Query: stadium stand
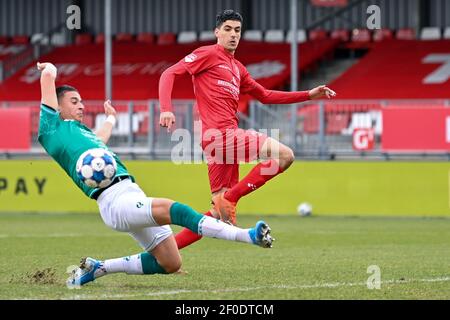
83, 38
405, 34
318, 34
397, 70
252, 35
121, 37
9, 50
274, 36
360, 39
382, 34
20, 39
146, 37
447, 33
430, 33
58, 40
81, 65
39, 38
340, 34
167, 38
187, 37
100, 38
301, 36
207, 35
4, 40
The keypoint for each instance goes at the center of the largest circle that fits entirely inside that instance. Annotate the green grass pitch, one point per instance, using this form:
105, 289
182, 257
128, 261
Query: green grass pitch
318, 257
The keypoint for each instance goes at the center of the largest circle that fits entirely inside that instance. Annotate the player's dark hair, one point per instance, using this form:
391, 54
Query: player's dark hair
60, 91
228, 15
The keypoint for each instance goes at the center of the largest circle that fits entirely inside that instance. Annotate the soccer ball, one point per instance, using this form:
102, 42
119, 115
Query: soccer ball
96, 168
304, 209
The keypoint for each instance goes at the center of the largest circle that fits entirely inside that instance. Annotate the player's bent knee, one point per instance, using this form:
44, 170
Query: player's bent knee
167, 254
173, 266
287, 157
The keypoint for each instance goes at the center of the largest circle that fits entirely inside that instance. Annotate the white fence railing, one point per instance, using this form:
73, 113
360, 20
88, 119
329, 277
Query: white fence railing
315, 129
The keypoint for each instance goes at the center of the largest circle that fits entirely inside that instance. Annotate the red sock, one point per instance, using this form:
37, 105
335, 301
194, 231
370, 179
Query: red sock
257, 177
186, 237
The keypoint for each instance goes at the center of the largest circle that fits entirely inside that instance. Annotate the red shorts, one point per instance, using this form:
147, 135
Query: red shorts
226, 150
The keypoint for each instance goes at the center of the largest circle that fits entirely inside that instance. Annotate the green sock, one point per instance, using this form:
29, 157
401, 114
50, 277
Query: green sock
185, 216
150, 265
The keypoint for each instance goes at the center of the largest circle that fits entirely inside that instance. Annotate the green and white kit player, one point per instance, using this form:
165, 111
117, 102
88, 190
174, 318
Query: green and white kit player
123, 205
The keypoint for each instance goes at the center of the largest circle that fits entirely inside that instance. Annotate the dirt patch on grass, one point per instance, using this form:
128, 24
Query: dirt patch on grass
44, 276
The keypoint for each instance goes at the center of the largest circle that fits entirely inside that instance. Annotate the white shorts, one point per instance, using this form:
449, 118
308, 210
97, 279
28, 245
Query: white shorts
125, 207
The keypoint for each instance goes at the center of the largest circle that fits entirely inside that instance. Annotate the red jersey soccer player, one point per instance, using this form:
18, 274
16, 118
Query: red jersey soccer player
218, 80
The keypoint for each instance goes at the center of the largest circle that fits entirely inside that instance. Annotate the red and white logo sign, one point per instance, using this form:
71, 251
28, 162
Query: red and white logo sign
363, 139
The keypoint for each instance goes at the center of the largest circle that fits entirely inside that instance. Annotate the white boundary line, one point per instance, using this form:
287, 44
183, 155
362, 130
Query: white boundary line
56, 235
305, 286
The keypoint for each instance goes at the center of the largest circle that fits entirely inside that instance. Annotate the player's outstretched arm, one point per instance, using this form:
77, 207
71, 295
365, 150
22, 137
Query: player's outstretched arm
321, 92
104, 133
284, 97
48, 88
166, 81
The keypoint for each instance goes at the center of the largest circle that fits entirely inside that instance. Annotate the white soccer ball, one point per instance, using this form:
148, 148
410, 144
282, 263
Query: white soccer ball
304, 209
96, 168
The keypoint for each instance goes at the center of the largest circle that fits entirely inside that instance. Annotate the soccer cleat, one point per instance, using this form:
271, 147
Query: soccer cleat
225, 208
84, 273
260, 235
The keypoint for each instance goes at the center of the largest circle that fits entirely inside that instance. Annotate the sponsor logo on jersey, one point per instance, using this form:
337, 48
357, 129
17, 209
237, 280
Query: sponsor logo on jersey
190, 58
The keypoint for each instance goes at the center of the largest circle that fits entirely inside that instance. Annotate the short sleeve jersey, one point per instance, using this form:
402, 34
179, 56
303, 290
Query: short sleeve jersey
66, 140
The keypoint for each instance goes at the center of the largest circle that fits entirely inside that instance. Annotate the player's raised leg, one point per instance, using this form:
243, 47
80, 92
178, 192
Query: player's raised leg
186, 237
277, 158
164, 257
165, 211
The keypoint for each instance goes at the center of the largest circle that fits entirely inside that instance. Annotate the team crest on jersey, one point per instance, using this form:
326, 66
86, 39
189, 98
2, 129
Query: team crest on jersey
190, 58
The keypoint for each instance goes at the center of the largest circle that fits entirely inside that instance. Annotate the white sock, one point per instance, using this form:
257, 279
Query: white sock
214, 228
129, 265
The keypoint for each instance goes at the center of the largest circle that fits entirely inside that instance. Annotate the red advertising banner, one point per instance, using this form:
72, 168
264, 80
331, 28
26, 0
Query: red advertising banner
416, 129
15, 132
363, 139
329, 3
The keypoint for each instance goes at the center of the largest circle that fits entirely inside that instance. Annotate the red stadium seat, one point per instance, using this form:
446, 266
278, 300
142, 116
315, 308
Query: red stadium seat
124, 37
335, 122
310, 116
100, 38
360, 39
406, 34
20, 39
318, 34
167, 38
382, 34
341, 34
4, 40
146, 37
143, 126
83, 38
